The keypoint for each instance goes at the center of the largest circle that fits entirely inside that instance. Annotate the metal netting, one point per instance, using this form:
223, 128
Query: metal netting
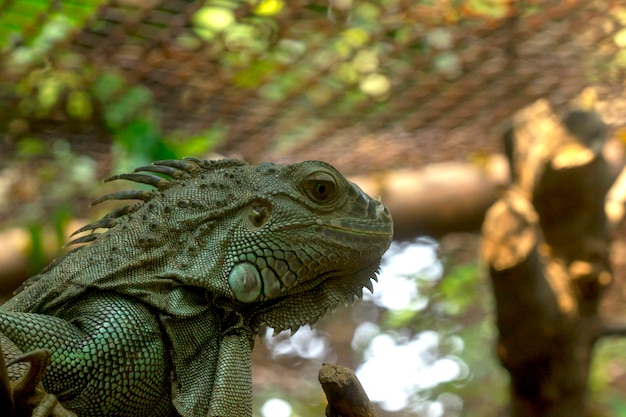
366, 84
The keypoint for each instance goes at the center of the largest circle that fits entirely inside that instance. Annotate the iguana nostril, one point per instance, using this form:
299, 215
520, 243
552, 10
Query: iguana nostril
383, 212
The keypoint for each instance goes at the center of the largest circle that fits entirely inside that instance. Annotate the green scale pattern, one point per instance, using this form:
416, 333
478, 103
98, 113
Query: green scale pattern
107, 355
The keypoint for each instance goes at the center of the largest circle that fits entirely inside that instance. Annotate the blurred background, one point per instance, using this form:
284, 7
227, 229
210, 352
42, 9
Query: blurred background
409, 98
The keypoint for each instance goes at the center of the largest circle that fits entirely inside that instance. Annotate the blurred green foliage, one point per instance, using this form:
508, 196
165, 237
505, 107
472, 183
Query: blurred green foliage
46, 180
31, 28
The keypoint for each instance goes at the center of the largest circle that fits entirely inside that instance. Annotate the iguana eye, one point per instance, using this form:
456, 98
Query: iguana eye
321, 187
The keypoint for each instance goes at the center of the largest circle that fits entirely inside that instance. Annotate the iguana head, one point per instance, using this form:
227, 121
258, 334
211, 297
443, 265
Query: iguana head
312, 240
281, 244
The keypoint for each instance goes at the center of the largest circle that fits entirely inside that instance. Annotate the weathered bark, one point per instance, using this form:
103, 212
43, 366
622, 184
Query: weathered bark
547, 247
346, 397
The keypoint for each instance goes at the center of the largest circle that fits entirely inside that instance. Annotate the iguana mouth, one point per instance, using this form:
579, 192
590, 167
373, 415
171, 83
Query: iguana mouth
343, 228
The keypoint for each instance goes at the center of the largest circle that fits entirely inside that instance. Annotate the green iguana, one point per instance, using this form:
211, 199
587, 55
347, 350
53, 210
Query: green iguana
157, 315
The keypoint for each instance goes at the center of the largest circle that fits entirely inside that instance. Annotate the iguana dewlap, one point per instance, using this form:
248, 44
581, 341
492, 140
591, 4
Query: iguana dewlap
157, 314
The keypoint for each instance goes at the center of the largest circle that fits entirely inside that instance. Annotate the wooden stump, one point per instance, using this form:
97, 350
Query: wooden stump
546, 243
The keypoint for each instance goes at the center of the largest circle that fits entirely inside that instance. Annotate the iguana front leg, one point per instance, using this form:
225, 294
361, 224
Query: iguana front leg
108, 356
21, 391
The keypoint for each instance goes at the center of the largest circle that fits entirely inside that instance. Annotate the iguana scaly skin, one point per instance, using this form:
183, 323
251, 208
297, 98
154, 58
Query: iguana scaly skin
157, 315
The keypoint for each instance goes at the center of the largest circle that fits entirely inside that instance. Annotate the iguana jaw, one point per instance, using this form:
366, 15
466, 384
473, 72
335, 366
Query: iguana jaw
313, 252
293, 312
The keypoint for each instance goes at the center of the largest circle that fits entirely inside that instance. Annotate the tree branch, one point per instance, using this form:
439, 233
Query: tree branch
610, 329
346, 397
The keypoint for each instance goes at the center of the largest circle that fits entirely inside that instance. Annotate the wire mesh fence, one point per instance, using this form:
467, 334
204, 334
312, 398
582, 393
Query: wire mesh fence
370, 84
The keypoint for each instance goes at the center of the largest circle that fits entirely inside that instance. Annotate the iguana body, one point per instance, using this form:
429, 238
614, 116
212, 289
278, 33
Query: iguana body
158, 314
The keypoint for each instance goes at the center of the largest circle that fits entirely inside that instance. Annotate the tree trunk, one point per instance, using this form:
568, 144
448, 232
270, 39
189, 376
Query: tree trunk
547, 247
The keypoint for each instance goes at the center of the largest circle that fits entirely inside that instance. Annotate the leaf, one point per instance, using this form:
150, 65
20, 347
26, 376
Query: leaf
268, 7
